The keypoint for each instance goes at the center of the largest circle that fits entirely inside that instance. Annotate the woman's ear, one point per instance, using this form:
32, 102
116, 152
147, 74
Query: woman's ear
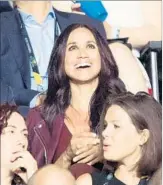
144, 136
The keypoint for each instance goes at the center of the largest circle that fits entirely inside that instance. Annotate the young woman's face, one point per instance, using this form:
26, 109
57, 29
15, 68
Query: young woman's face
13, 138
82, 59
121, 139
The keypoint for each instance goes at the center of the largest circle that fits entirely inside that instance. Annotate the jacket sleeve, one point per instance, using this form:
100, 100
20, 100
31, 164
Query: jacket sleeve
19, 96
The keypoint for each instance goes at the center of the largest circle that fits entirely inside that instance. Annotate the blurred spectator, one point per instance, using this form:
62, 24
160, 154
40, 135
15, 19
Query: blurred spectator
17, 164
50, 175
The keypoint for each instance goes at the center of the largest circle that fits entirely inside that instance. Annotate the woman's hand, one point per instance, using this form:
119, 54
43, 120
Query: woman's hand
23, 160
83, 141
90, 154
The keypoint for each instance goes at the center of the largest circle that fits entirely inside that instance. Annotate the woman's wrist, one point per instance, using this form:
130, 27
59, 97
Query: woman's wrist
69, 154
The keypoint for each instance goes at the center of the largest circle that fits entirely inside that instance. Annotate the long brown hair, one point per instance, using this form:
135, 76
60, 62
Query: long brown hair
59, 94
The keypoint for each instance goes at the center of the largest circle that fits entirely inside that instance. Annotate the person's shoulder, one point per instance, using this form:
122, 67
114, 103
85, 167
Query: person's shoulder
34, 115
8, 19
35, 111
8, 14
84, 179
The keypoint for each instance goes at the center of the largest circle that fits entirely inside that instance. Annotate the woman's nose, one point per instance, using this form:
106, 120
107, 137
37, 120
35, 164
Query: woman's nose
83, 53
21, 142
107, 131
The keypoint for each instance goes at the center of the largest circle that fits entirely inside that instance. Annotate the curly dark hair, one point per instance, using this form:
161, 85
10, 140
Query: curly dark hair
6, 111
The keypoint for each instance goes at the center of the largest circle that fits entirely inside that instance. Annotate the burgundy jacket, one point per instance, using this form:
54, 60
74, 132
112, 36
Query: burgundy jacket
42, 142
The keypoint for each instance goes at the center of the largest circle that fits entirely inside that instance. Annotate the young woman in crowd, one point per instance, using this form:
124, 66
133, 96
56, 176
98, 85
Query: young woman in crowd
132, 141
81, 74
17, 164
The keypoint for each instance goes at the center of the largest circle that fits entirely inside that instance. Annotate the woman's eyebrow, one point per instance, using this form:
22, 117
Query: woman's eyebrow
13, 126
71, 43
91, 41
24, 130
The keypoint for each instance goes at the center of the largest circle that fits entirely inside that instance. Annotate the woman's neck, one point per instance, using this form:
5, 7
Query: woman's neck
126, 175
6, 177
82, 94
38, 9
127, 169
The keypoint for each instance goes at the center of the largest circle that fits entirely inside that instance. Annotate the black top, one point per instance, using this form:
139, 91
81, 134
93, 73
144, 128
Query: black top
104, 178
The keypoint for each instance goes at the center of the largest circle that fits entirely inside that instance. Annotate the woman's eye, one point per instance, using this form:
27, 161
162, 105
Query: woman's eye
116, 126
11, 131
25, 134
72, 48
105, 124
91, 46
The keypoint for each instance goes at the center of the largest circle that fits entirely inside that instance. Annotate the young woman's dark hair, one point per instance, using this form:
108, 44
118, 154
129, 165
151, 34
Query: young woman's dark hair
58, 93
145, 113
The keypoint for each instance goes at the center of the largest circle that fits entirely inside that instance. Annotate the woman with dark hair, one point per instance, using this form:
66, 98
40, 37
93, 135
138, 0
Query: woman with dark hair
17, 164
132, 140
81, 74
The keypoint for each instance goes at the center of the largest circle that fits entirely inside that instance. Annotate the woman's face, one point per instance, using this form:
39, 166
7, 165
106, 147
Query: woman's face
121, 139
82, 59
13, 138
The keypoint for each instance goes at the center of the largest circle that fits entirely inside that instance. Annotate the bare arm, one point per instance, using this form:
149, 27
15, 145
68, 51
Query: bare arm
84, 180
129, 70
64, 160
150, 30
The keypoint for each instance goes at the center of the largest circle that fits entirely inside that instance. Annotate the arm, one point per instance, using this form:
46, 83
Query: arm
84, 180
150, 11
20, 96
6, 93
129, 70
65, 159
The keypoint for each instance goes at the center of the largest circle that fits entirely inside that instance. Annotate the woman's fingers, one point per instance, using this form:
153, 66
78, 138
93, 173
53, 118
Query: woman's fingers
94, 161
17, 165
83, 149
88, 155
86, 151
86, 134
24, 159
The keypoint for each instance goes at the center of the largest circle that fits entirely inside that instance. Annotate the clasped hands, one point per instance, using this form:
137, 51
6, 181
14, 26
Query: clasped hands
85, 148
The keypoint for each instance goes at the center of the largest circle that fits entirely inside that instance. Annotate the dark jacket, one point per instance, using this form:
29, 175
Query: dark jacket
5, 6
15, 67
42, 141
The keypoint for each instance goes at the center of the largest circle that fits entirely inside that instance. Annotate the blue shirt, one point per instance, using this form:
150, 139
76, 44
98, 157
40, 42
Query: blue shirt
42, 40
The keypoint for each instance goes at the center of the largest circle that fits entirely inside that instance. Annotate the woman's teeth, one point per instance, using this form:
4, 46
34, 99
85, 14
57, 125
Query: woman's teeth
83, 65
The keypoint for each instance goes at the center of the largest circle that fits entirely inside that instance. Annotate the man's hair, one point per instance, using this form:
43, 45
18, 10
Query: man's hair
5, 112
